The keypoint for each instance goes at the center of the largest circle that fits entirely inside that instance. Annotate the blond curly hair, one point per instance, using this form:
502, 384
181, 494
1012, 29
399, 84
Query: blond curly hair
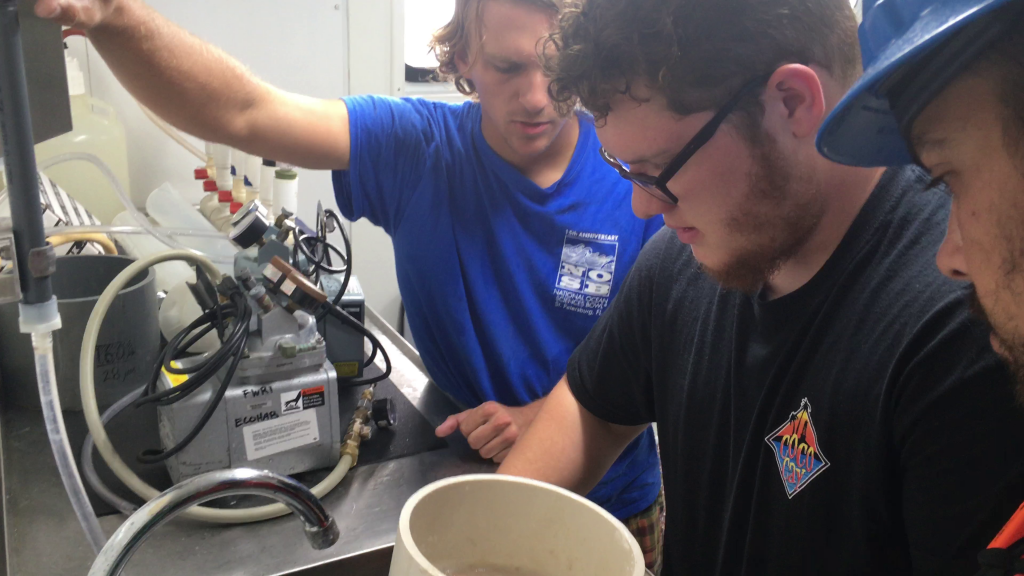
452, 40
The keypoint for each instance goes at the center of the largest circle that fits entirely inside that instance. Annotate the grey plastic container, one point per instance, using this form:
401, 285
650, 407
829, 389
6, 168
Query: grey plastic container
128, 345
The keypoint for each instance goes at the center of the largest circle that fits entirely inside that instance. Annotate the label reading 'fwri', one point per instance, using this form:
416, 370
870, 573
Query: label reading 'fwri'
281, 434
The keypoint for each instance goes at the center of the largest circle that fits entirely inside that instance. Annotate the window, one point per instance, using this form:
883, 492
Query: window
858, 9
422, 19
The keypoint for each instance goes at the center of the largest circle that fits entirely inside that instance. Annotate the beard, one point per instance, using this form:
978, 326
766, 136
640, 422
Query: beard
1011, 348
776, 219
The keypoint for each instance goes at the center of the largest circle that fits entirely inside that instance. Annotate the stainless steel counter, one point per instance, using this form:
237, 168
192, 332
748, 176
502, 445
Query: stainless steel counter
42, 536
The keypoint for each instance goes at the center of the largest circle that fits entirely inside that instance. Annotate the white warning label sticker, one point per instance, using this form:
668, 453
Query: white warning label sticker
280, 434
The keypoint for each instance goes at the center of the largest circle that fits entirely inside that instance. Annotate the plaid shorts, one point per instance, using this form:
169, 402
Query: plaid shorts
648, 527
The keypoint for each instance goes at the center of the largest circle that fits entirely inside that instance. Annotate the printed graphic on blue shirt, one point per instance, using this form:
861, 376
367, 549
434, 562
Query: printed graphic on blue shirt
586, 272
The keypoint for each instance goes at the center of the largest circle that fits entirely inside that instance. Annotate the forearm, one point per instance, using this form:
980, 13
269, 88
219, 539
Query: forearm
530, 411
203, 91
188, 82
568, 446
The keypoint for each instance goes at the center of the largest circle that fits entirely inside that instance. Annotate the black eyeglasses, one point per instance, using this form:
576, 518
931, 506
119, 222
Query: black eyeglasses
657, 186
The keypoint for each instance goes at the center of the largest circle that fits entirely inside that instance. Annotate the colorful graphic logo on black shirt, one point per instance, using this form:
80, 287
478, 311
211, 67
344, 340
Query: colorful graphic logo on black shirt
797, 451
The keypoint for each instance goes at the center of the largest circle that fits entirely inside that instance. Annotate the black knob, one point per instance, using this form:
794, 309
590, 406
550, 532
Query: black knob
383, 413
250, 229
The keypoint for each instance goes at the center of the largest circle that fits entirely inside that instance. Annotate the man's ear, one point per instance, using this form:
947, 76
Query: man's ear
794, 101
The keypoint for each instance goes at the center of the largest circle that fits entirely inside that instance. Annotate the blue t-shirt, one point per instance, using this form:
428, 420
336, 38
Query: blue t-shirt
501, 279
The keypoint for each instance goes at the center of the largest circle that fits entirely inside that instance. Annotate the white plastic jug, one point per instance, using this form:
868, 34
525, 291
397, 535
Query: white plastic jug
96, 131
494, 524
170, 210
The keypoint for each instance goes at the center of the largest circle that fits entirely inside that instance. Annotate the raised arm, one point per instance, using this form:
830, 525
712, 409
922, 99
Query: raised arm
201, 90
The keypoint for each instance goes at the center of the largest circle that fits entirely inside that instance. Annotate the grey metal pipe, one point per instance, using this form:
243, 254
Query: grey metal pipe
19, 156
321, 530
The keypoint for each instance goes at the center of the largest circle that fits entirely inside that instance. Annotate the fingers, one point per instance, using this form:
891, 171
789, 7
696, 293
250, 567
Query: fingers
48, 9
81, 15
501, 444
478, 416
450, 425
487, 434
488, 428
501, 455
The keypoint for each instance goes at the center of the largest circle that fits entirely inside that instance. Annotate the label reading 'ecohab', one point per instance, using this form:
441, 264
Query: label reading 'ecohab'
280, 434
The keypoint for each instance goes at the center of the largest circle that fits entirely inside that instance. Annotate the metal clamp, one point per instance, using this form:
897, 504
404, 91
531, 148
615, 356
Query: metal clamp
42, 261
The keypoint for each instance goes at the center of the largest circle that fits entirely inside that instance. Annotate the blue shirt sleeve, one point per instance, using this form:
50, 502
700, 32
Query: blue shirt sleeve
392, 144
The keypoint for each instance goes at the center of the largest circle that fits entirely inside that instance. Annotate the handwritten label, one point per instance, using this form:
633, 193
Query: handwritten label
117, 374
257, 392
114, 353
252, 418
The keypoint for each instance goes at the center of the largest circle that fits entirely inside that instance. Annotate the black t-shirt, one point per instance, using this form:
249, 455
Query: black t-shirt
859, 425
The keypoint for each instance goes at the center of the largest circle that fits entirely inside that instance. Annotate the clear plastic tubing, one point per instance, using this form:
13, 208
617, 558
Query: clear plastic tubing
134, 230
129, 206
42, 346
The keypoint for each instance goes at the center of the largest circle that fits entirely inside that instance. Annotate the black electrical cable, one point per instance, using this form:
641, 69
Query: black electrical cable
346, 318
331, 214
322, 263
200, 372
310, 243
371, 358
238, 313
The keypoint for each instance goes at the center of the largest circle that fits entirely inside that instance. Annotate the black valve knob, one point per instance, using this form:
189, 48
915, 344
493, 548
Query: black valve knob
384, 413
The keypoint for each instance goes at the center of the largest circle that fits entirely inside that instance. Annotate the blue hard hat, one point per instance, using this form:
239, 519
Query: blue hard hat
905, 43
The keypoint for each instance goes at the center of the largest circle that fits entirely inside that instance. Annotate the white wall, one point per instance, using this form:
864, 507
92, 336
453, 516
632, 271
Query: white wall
299, 45
374, 70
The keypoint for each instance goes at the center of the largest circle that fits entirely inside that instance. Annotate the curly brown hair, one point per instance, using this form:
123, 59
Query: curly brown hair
694, 52
452, 40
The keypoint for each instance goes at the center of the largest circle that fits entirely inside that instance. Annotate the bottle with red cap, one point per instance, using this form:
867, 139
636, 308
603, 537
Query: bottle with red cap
208, 172
211, 201
234, 208
222, 213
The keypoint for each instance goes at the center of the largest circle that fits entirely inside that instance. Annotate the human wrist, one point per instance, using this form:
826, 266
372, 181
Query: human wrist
117, 17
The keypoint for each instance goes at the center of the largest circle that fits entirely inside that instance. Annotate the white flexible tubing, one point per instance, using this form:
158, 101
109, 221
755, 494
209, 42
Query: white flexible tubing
133, 230
99, 434
172, 133
42, 346
129, 206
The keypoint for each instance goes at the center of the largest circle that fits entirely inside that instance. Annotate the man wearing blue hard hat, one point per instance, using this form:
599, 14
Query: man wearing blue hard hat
944, 87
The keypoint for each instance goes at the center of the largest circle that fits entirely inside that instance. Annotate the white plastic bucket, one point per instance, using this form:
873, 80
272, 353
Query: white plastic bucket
477, 521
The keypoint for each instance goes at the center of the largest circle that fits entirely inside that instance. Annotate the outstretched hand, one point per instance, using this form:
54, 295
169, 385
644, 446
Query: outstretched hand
491, 428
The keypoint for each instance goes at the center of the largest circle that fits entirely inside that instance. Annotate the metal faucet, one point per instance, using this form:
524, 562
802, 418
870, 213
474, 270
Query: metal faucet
321, 530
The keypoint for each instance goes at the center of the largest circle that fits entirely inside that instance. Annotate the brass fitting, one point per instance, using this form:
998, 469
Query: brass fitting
359, 427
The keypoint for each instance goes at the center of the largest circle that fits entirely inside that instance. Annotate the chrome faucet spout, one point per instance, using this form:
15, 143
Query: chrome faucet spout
321, 530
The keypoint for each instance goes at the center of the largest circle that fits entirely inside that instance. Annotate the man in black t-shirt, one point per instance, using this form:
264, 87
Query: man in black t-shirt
946, 77
824, 400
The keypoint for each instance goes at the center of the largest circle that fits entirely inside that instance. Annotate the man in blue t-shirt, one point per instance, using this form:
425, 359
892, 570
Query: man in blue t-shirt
511, 233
